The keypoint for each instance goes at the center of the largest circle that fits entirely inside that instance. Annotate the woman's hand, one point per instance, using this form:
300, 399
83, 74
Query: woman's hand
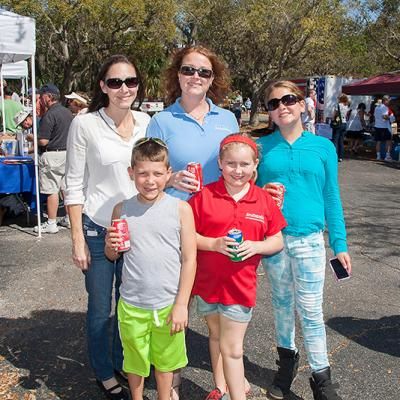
248, 249
81, 254
345, 260
184, 181
178, 318
221, 245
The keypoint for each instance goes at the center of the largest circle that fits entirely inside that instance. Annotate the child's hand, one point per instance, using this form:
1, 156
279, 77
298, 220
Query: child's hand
221, 245
113, 239
248, 249
273, 190
178, 318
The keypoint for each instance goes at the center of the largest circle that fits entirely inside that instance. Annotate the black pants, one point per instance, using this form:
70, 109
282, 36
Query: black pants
338, 140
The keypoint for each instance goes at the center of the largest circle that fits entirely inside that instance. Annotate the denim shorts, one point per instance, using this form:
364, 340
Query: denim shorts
235, 312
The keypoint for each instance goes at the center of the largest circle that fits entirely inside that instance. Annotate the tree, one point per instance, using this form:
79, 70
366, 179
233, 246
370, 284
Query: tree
378, 21
75, 36
263, 40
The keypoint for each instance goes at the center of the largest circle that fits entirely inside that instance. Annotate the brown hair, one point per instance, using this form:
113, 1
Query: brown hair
99, 98
343, 99
150, 150
289, 85
219, 87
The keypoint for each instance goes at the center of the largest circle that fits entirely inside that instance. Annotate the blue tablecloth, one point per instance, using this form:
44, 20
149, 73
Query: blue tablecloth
17, 178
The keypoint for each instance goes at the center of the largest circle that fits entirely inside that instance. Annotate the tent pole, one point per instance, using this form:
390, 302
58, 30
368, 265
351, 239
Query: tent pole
35, 145
3, 116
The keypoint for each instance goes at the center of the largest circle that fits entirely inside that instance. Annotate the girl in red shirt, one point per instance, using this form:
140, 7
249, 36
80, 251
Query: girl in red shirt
226, 290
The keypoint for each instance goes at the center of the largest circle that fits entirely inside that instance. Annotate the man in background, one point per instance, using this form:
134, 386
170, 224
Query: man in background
11, 108
383, 118
308, 117
52, 140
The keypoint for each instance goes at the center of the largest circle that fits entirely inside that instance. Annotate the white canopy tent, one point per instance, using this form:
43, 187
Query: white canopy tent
18, 43
18, 70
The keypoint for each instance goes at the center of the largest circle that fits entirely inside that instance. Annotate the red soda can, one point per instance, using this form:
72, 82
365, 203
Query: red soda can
280, 187
195, 169
121, 227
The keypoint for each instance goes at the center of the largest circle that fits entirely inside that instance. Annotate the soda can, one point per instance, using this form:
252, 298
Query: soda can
121, 227
281, 193
195, 169
238, 236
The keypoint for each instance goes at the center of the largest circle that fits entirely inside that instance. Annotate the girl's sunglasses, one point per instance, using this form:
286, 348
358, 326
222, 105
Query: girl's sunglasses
286, 100
190, 71
149, 139
116, 83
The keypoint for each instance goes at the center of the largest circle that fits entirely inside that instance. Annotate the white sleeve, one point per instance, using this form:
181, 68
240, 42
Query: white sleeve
75, 174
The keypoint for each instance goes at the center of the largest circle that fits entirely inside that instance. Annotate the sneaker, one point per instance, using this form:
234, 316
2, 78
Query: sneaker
65, 222
388, 158
215, 394
46, 228
378, 156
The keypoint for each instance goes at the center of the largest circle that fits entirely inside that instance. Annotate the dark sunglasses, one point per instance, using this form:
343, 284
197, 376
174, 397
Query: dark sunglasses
286, 100
144, 140
116, 83
190, 71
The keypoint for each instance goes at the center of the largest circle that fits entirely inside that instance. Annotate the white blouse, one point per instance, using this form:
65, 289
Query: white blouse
97, 164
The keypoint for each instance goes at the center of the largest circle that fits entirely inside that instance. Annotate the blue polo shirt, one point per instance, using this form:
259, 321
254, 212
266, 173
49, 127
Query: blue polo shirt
308, 168
187, 140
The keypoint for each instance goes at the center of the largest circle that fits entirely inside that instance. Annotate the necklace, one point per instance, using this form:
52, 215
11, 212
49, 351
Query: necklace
114, 130
198, 117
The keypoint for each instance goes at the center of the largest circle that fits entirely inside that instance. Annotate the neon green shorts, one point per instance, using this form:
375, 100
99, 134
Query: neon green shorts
146, 340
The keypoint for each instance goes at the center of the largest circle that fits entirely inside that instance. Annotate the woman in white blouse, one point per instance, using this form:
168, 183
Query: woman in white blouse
98, 154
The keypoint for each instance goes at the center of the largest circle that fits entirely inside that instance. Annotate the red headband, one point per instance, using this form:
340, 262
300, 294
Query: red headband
239, 139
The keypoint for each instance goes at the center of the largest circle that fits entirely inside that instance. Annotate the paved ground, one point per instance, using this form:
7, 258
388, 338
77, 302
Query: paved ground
42, 310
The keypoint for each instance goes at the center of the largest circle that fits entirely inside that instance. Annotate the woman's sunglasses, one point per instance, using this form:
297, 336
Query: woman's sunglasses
286, 100
116, 83
144, 140
190, 71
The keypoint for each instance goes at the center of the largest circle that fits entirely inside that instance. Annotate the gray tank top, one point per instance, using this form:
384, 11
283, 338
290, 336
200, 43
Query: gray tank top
152, 266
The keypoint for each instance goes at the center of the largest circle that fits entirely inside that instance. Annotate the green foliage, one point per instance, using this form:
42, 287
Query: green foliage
75, 36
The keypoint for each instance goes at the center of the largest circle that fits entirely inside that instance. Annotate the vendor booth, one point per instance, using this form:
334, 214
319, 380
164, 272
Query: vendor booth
18, 70
388, 83
18, 43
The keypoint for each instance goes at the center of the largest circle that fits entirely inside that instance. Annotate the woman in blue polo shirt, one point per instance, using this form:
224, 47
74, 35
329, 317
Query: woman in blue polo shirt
193, 126
307, 166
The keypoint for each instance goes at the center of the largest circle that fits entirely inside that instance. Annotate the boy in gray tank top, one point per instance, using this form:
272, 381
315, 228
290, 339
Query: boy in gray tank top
158, 271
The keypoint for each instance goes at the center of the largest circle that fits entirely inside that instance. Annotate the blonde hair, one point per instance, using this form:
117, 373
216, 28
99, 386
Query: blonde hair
226, 147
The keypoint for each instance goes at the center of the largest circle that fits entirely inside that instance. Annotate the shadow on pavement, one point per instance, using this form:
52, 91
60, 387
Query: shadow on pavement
51, 346
382, 335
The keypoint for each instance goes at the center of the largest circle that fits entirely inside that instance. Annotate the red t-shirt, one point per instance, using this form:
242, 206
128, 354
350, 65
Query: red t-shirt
218, 279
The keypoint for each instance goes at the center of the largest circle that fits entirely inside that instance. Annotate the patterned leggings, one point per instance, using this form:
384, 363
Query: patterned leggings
296, 276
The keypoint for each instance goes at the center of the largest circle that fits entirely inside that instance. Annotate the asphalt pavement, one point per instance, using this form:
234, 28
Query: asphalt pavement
43, 301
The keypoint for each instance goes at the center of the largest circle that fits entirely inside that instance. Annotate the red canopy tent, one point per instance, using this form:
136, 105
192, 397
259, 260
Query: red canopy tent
388, 83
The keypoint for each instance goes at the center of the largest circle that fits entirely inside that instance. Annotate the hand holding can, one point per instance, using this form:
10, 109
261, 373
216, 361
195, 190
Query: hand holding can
238, 236
195, 169
277, 191
121, 227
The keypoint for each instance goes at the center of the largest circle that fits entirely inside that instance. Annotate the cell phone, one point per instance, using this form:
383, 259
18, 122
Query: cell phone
340, 272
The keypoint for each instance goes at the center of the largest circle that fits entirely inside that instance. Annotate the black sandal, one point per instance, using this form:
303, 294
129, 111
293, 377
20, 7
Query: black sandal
121, 375
121, 395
